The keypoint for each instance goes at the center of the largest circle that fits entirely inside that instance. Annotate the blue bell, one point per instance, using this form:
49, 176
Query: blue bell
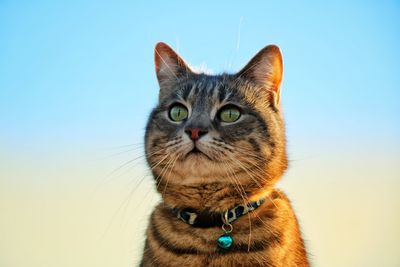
225, 241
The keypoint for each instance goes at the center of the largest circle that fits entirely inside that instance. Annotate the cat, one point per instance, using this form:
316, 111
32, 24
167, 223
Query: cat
216, 147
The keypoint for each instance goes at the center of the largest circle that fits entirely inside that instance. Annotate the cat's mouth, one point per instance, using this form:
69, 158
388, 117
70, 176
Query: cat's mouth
197, 153
195, 150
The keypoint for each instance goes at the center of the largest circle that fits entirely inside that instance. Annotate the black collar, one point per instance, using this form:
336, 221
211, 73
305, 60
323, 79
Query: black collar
205, 219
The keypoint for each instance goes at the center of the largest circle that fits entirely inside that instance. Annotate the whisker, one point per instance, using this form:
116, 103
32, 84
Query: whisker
119, 153
164, 169
172, 166
246, 200
247, 171
130, 195
239, 189
125, 203
141, 144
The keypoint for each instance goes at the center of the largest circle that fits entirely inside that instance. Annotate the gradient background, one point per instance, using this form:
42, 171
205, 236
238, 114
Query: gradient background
77, 83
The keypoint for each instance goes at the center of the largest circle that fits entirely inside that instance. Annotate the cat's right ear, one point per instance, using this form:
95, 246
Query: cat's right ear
266, 70
169, 65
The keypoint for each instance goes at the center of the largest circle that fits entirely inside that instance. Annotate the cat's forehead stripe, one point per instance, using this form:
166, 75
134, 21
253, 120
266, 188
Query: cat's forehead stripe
215, 90
199, 91
210, 86
185, 92
221, 93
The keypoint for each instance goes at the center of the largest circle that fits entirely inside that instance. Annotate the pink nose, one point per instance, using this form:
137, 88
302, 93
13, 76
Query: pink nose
195, 133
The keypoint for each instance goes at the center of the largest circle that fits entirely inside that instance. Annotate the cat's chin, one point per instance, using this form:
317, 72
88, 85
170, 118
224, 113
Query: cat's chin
197, 167
196, 156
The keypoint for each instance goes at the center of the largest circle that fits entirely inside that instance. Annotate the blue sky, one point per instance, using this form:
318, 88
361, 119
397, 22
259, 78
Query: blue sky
68, 67
78, 76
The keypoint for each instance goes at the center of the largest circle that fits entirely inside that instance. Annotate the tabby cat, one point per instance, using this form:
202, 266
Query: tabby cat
216, 147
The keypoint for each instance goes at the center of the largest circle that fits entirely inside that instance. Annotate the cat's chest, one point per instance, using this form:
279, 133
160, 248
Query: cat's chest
186, 245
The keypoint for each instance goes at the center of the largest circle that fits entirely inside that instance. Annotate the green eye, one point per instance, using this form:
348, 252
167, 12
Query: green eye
178, 112
229, 114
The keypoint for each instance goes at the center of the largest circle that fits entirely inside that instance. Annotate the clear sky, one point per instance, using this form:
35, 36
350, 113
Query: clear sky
77, 82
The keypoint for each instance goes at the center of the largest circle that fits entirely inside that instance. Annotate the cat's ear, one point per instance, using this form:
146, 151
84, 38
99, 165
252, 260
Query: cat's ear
169, 65
266, 70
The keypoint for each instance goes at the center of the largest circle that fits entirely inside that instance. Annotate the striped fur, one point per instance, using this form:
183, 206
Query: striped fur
239, 162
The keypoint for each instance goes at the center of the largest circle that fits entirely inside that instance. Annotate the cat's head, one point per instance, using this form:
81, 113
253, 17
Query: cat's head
222, 130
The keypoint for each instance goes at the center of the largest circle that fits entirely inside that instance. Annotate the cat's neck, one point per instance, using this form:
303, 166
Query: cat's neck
213, 197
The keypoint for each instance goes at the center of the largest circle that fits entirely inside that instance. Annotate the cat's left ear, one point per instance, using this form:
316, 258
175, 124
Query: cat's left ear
169, 65
266, 70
